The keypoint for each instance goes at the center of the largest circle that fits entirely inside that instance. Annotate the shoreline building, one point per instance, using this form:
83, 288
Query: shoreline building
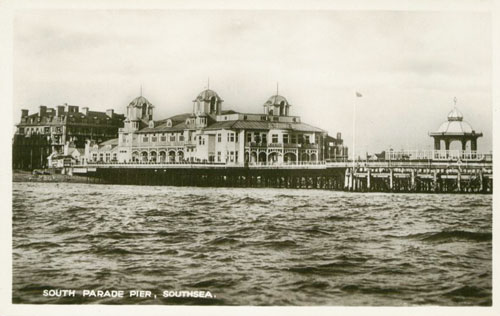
55, 131
209, 134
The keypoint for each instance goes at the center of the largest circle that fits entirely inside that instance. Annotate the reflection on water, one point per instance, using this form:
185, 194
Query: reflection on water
251, 246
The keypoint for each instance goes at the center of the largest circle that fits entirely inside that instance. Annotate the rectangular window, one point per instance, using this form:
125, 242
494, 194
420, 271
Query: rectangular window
249, 137
145, 139
203, 140
219, 138
275, 138
262, 118
285, 138
300, 138
307, 138
245, 117
107, 157
231, 156
181, 138
47, 130
236, 157
172, 138
264, 138
218, 156
164, 138
199, 140
154, 139
231, 137
294, 139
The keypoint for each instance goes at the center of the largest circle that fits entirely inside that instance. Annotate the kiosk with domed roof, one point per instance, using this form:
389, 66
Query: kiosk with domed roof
455, 129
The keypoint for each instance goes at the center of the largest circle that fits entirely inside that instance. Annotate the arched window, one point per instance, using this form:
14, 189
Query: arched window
213, 105
282, 108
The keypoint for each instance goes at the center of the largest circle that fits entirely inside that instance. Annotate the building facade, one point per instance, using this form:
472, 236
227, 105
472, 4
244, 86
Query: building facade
45, 133
209, 134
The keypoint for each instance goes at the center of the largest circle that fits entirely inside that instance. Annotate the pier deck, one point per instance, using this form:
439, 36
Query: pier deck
360, 176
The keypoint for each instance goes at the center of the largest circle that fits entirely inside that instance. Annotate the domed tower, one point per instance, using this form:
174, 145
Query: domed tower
455, 129
139, 110
207, 102
277, 105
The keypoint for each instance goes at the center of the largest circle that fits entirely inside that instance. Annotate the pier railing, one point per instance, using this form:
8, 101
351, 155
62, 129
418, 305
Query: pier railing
440, 155
204, 164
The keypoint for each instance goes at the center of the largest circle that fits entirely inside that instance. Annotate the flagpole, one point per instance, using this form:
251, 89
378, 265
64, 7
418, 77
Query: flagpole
354, 132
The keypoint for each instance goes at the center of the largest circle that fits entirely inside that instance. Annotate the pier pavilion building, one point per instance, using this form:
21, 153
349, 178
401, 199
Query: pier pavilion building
211, 134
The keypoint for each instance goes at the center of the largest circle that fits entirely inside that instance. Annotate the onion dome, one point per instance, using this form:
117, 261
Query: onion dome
455, 115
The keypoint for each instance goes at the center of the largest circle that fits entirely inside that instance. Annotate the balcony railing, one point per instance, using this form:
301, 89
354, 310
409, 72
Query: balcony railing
283, 145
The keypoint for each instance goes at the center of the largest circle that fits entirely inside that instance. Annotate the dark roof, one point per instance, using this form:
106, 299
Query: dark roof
164, 128
240, 124
51, 117
228, 112
179, 118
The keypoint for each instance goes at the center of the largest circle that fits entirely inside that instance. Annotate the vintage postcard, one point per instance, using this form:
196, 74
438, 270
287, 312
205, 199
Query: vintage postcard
190, 157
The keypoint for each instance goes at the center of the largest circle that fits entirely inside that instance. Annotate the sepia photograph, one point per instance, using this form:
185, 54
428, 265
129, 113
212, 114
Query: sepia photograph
251, 156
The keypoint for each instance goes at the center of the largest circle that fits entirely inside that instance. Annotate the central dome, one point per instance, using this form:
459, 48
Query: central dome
207, 95
276, 100
140, 101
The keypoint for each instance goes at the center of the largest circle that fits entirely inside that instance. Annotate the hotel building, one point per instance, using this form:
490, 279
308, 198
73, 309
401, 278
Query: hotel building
52, 131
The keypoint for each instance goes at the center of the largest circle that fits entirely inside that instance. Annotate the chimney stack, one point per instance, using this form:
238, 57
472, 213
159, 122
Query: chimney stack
85, 111
60, 110
42, 110
339, 136
24, 113
110, 113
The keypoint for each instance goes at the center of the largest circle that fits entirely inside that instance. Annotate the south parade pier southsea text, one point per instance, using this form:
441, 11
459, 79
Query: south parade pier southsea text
123, 294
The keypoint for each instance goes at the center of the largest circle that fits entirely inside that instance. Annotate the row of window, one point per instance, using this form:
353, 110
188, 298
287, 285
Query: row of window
163, 138
287, 138
70, 130
102, 157
231, 156
93, 120
231, 137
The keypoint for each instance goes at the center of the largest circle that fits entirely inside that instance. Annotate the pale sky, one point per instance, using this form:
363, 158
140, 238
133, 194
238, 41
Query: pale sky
408, 65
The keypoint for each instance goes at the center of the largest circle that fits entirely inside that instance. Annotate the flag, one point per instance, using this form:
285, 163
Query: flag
359, 95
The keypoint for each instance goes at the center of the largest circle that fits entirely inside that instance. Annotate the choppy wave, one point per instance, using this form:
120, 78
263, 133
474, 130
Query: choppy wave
251, 246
